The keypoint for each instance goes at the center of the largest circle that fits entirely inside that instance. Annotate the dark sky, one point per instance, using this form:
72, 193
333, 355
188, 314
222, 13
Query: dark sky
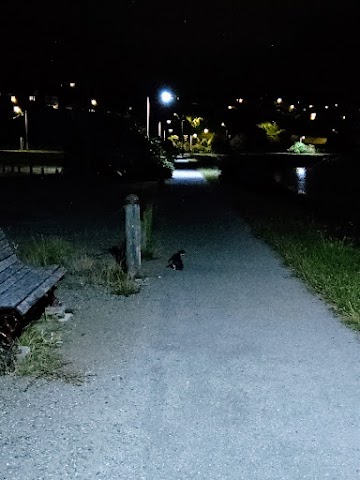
194, 46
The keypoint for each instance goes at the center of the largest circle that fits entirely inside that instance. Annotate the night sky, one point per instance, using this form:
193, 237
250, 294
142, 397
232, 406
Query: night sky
195, 46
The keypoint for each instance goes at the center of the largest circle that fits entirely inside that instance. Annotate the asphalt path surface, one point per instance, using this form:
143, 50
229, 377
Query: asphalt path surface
230, 369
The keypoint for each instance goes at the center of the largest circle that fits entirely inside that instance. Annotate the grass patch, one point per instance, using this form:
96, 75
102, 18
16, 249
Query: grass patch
115, 280
147, 241
211, 174
44, 338
112, 275
44, 251
328, 265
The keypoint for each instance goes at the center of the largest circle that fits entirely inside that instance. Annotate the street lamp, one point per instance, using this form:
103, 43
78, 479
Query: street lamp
182, 132
17, 110
166, 97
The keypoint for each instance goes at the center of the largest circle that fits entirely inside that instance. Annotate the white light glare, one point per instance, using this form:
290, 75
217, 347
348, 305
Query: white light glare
301, 172
166, 97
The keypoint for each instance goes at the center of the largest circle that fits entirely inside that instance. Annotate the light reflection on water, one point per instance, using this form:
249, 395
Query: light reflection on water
301, 179
294, 179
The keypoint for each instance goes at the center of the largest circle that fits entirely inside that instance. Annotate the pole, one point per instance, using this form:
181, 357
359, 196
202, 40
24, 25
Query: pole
159, 129
148, 117
132, 235
26, 130
182, 137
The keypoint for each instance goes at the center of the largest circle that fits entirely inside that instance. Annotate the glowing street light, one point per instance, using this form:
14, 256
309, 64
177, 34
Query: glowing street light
166, 97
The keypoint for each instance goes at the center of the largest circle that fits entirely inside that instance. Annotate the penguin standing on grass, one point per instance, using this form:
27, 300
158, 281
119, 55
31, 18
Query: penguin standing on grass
175, 261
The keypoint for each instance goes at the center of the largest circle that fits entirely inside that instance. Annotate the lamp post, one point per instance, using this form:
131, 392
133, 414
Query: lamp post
17, 110
182, 132
166, 97
26, 130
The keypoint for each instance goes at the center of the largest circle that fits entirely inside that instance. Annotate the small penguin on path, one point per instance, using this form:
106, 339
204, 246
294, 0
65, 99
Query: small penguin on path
175, 261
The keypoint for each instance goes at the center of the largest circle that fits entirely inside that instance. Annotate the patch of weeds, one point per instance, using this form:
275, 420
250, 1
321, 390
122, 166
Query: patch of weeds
44, 337
211, 175
147, 242
116, 280
110, 275
82, 264
44, 251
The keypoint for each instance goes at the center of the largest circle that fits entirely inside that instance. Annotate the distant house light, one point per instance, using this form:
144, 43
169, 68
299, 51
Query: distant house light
170, 130
291, 108
72, 84
279, 100
312, 116
13, 99
326, 106
336, 104
240, 100
343, 117
311, 106
32, 98
231, 107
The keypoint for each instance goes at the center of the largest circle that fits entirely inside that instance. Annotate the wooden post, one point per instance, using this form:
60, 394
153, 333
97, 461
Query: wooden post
132, 235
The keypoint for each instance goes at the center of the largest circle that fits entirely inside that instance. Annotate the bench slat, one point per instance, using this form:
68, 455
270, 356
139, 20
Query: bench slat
21, 286
11, 275
40, 291
4, 264
24, 287
3, 244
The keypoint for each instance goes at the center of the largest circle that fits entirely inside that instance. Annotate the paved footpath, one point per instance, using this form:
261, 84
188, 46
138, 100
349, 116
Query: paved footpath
230, 369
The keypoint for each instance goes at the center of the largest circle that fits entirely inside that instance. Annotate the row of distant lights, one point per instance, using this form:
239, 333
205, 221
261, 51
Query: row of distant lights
292, 107
206, 130
18, 111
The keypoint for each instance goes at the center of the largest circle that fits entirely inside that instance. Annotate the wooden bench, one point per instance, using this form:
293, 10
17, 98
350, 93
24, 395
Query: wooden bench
23, 290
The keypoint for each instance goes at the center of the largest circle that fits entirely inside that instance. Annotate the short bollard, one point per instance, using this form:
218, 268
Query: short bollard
132, 235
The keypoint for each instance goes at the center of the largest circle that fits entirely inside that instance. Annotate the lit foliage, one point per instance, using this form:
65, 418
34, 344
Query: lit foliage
300, 147
195, 122
272, 131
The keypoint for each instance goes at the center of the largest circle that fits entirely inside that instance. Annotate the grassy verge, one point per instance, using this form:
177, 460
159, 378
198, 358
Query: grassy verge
327, 264
43, 339
41, 251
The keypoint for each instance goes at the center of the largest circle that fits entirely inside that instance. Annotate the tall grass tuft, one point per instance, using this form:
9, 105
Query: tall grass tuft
147, 241
44, 251
116, 280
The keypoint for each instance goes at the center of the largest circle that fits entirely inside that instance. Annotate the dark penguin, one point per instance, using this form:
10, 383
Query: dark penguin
175, 262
